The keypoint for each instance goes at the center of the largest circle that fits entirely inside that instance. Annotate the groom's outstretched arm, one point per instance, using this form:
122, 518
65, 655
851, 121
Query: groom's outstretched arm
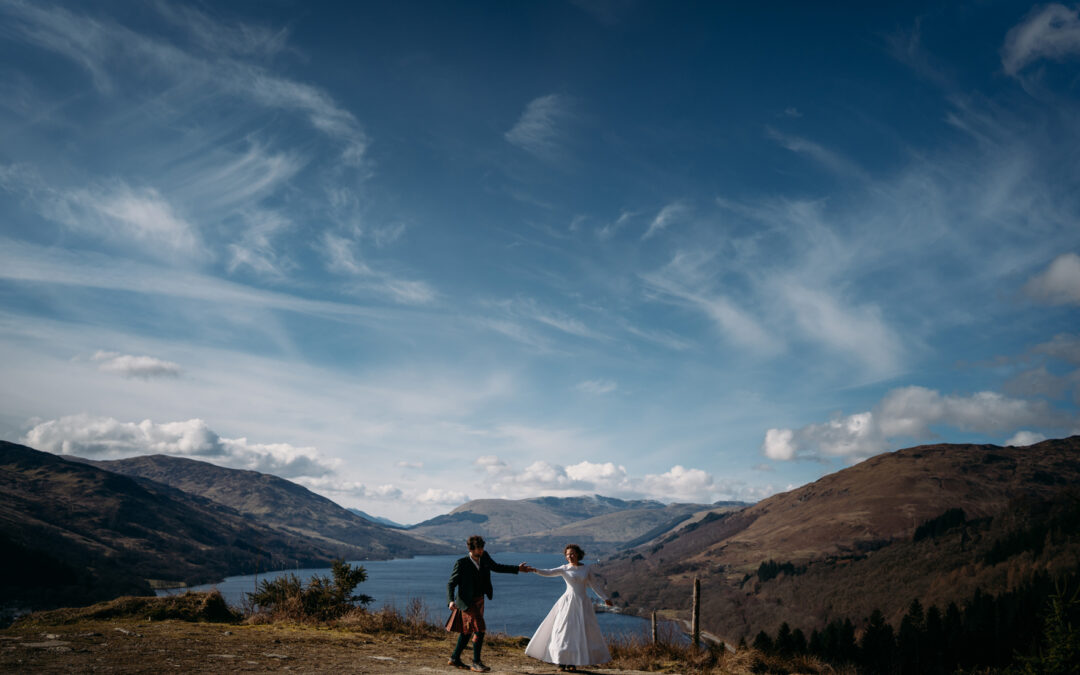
496, 567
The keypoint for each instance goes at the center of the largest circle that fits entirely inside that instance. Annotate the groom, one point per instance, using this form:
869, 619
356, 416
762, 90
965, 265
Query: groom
471, 579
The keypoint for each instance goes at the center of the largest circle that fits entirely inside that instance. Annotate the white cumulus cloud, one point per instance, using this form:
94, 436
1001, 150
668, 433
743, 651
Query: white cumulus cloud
779, 444
608, 478
598, 474
107, 438
144, 367
1025, 438
680, 484
1059, 284
910, 413
1050, 32
440, 496
1063, 346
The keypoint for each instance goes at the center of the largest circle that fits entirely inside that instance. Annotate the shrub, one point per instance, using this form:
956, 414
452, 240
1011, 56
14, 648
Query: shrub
413, 622
323, 598
188, 606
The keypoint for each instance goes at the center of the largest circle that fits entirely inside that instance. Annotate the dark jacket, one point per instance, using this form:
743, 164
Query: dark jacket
470, 582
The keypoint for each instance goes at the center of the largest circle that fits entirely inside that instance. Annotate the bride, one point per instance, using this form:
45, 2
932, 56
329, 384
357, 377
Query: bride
570, 635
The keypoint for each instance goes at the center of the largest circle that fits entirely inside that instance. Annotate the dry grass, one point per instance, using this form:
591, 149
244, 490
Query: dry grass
189, 606
413, 622
668, 656
408, 636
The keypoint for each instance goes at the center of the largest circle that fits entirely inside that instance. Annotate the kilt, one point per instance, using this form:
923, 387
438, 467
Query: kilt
469, 621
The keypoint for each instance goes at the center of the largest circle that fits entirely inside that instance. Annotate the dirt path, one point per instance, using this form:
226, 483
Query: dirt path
127, 646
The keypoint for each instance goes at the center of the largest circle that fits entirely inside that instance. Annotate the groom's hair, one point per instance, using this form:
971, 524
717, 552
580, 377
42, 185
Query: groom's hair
475, 542
574, 547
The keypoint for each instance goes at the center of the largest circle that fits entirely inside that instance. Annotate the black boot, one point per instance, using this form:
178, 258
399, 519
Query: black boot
455, 658
478, 645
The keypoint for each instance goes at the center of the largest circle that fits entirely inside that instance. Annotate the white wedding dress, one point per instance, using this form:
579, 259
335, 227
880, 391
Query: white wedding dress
570, 634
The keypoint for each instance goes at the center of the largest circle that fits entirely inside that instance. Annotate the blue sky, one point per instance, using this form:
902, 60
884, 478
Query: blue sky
413, 253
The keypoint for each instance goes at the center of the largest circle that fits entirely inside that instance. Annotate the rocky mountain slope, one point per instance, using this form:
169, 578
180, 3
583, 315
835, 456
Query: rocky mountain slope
847, 544
278, 503
73, 533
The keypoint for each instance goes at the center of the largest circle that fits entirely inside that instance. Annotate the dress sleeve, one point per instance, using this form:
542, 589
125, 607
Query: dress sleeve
553, 572
594, 584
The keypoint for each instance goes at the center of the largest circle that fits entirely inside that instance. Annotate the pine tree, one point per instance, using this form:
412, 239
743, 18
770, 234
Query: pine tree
878, 647
783, 644
763, 643
910, 640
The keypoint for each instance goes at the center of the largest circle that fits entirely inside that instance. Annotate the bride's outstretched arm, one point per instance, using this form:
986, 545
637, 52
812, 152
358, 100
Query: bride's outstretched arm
591, 581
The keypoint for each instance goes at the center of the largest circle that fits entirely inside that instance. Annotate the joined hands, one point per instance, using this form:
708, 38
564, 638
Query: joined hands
526, 567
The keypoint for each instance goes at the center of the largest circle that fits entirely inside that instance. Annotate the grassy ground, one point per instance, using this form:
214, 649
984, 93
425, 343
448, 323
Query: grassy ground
138, 636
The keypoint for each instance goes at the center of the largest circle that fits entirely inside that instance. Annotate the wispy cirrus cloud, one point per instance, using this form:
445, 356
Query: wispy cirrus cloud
113, 212
597, 387
104, 46
667, 215
847, 330
342, 256
216, 35
539, 129
127, 216
686, 280
84, 40
29, 263
519, 311
256, 249
222, 180
830, 159
609, 230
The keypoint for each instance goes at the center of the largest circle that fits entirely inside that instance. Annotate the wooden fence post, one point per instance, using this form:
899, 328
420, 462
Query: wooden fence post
695, 627
654, 626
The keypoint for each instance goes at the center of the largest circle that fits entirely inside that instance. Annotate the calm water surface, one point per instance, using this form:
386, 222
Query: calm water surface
521, 600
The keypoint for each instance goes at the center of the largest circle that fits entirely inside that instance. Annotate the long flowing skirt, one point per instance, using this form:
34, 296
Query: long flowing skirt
569, 635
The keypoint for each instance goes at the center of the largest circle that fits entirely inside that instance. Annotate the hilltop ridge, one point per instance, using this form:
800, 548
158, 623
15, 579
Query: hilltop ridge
276, 502
846, 542
74, 533
600, 524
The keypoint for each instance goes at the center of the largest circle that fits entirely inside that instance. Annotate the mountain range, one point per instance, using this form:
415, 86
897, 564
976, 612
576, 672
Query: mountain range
279, 503
600, 524
932, 523
73, 531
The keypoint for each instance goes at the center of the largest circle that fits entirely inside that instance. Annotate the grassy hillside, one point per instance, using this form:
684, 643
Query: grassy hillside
845, 545
73, 533
278, 503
